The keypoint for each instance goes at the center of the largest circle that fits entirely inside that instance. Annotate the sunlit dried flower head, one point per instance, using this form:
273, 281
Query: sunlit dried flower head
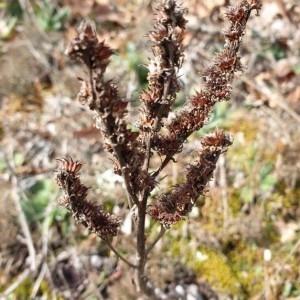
91, 215
86, 47
70, 165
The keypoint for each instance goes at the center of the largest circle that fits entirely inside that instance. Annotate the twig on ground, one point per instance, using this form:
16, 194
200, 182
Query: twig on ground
19, 211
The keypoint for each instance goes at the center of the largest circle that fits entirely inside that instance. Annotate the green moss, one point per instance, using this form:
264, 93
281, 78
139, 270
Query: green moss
214, 268
270, 235
209, 265
235, 202
246, 261
282, 205
24, 290
247, 127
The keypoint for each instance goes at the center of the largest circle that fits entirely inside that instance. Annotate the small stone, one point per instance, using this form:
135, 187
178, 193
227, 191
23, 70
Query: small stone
193, 293
180, 290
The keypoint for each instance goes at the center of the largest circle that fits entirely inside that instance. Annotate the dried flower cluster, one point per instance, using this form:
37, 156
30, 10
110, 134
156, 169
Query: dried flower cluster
102, 96
132, 150
157, 133
175, 206
216, 87
91, 215
217, 83
163, 86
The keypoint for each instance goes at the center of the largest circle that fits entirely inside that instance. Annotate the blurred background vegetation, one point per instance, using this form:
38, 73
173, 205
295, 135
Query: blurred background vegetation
243, 237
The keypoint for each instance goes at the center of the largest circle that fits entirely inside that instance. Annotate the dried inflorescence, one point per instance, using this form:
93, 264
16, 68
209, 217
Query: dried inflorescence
133, 150
175, 206
102, 97
217, 82
172, 207
90, 214
163, 84
158, 131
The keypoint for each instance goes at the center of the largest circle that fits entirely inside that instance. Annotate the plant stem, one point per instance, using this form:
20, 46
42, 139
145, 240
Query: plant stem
114, 250
161, 233
140, 250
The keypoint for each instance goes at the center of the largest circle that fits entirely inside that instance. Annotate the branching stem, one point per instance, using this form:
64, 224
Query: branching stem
114, 250
160, 235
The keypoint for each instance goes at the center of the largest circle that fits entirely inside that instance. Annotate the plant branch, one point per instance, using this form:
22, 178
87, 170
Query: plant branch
160, 235
114, 250
140, 242
165, 162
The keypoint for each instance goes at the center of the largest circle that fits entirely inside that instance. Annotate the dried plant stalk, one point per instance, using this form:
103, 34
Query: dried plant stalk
133, 150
